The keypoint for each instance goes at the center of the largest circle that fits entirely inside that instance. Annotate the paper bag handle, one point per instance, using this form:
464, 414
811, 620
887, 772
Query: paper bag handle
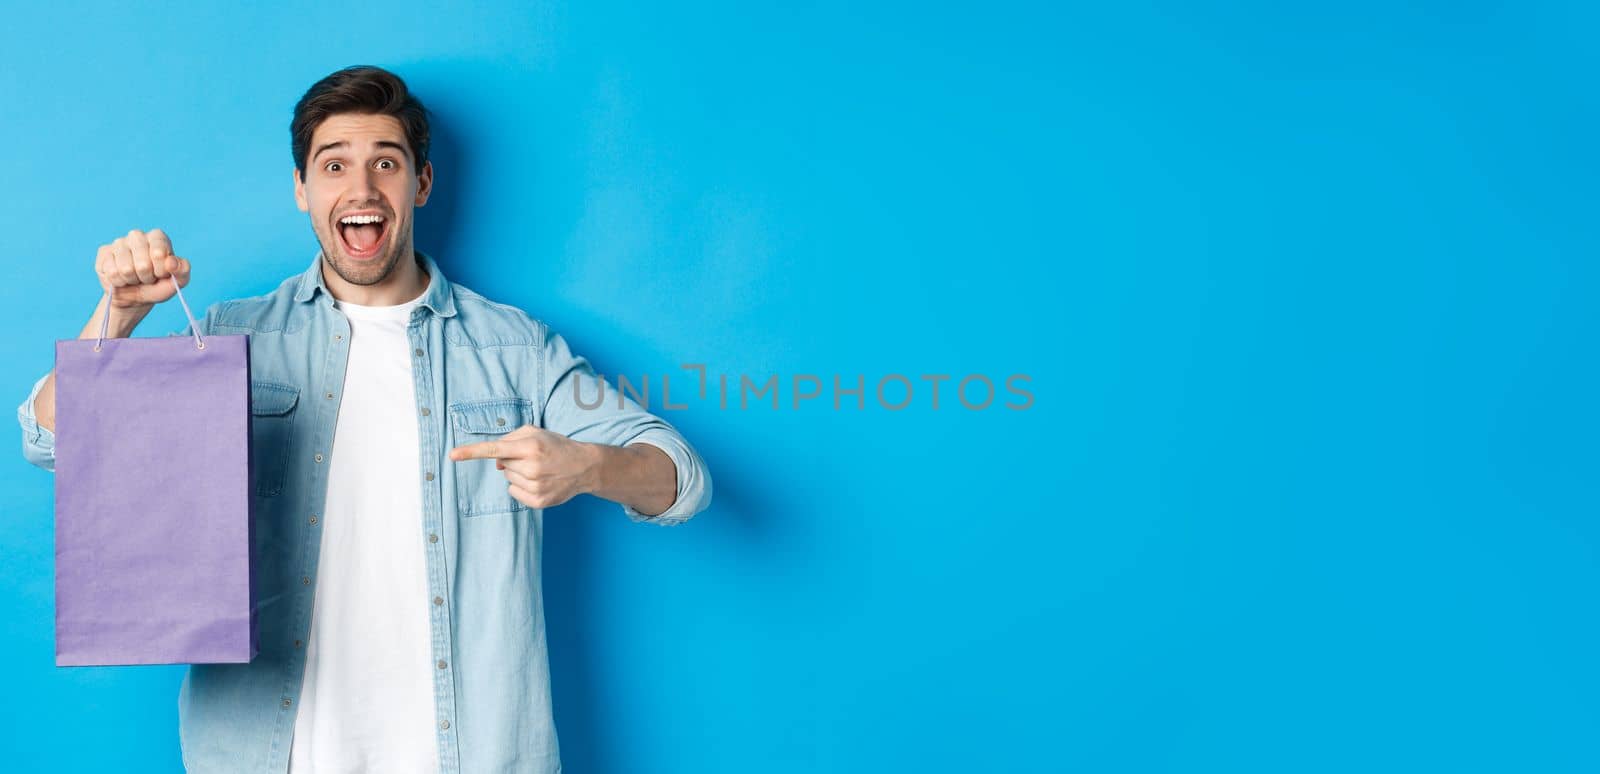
194, 327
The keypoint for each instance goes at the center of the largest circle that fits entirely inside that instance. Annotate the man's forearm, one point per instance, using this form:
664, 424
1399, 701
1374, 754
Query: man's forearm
123, 321
640, 476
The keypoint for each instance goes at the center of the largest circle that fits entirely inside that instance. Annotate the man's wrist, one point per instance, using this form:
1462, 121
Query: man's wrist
595, 456
623, 474
125, 319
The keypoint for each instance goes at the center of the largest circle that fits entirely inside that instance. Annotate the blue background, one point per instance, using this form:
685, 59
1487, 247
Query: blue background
1307, 298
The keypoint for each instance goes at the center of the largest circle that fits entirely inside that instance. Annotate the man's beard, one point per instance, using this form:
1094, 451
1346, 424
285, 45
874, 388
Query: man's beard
367, 272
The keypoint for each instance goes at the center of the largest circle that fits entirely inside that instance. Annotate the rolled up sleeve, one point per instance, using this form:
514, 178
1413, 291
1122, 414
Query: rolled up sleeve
580, 404
694, 484
38, 443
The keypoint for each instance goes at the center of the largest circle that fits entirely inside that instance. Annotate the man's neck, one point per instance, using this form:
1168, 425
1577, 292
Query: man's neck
407, 281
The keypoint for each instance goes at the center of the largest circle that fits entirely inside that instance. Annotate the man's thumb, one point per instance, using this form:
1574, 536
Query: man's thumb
179, 268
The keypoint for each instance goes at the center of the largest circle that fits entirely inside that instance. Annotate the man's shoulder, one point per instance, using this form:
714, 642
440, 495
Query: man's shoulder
262, 313
482, 322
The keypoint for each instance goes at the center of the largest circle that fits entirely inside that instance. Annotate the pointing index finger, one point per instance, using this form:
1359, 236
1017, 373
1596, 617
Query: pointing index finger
480, 451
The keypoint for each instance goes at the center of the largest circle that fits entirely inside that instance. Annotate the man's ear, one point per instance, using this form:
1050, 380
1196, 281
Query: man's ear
424, 183
300, 192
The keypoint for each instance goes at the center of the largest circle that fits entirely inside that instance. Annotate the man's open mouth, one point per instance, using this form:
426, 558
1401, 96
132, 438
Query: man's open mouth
362, 234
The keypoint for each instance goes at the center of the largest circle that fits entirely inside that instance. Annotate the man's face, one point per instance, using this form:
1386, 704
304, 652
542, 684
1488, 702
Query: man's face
361, 188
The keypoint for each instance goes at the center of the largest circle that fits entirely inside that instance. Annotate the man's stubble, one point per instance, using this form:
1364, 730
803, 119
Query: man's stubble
367, 274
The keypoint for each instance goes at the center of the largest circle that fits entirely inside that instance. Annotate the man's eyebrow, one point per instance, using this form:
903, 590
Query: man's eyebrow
329, 146
405, 151
397, 146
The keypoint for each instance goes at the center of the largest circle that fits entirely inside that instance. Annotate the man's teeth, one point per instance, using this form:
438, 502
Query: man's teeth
357, 219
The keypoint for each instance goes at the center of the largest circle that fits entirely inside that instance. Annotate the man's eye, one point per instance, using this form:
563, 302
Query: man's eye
334, 166
386, 164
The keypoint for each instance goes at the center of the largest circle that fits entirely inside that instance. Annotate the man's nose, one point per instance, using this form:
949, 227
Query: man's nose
364, 187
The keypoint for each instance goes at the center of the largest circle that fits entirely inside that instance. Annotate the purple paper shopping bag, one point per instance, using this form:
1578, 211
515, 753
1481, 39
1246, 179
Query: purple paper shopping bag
153, 501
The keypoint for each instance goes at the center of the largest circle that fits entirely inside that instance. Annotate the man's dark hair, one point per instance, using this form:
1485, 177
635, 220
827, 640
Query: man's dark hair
361, 89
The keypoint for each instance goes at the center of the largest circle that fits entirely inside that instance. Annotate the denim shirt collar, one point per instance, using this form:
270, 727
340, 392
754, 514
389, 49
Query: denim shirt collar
437, 298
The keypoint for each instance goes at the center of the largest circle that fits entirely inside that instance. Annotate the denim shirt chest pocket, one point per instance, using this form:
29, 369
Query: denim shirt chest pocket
480, 487
271, 420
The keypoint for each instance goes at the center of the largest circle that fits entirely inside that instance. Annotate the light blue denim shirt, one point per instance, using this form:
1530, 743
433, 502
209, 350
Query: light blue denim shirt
481, 369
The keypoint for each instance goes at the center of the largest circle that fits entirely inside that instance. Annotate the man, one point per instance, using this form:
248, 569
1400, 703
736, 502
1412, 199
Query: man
408, 434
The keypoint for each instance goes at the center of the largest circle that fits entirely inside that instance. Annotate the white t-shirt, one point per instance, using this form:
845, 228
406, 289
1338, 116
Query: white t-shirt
367, 701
